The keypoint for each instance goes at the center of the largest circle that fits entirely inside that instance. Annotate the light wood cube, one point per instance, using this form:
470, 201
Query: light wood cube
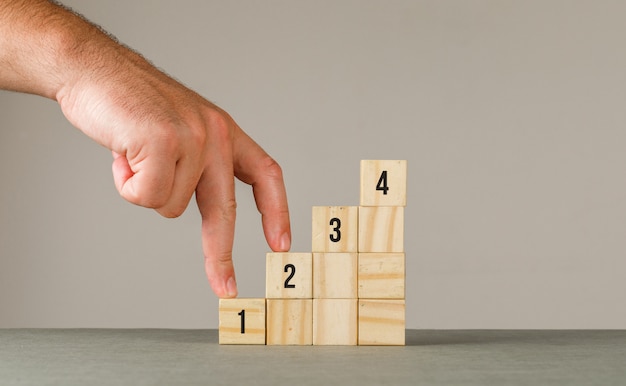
242, 321
335, 228
289, 321
335, 275
335, 322
382, 322
381, 275
383, 182
381, 229
289, 276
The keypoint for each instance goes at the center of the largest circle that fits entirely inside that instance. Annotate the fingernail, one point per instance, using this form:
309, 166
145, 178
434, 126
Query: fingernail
285, 242
231, 287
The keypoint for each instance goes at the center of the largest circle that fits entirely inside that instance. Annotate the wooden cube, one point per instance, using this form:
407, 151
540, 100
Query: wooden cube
381, 275
335, 228
381, 229
289, 276
335, 322
383, 183
335, 275
242, 321
289, 321
382, 322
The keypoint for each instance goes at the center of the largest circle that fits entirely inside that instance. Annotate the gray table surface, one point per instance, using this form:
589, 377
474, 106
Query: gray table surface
193, 357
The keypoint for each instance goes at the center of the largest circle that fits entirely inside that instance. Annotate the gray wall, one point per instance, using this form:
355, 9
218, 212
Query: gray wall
511, 115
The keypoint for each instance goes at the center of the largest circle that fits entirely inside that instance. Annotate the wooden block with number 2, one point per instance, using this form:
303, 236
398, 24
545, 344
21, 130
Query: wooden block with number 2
289, 275
383, 182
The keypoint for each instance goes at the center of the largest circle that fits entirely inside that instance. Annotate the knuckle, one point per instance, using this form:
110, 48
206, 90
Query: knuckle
220, 124
272, 168
228, 210
171, 212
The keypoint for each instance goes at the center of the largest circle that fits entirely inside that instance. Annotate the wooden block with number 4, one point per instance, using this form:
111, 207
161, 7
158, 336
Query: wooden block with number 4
335, 228
242, 321
289, 275
383, 182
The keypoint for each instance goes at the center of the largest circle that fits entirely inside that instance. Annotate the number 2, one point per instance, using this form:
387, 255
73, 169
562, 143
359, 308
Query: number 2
293, 272
382, 183
337, 223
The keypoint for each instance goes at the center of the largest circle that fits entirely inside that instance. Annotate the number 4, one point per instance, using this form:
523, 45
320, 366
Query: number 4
382, 183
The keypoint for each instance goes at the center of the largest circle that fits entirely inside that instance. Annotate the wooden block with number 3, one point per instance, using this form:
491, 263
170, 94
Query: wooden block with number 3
335, 228
289, 275
383, 182
242, 321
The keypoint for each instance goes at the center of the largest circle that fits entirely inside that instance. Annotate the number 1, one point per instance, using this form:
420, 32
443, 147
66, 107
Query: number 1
243, 321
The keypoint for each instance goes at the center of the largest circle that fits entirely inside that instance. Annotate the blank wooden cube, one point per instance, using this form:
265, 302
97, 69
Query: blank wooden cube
381, 229
242, 321
381, 275
289, 321
383, 183
382, 322
335, 228
289, 275
335, 322
335, 275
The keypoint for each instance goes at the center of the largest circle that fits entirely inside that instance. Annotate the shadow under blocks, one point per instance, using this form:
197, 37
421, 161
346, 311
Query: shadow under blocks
349, 290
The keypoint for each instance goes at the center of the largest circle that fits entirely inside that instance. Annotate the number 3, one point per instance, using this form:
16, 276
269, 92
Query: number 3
337, 223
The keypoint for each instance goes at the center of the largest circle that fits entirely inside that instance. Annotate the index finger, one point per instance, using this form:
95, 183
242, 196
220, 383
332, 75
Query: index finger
255, 167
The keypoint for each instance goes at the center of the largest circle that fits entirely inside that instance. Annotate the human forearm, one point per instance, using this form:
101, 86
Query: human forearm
45, 47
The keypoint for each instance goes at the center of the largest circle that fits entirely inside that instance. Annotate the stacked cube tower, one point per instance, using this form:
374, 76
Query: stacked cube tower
349, 290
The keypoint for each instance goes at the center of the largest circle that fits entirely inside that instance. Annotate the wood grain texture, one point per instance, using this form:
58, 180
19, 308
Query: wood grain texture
381, 275
335, 275
289, 321
381, 229
396, 175
346, 235
335, 322
382, 322
276, 274
230, 321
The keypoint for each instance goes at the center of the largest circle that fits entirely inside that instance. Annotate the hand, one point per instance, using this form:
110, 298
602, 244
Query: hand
168, 142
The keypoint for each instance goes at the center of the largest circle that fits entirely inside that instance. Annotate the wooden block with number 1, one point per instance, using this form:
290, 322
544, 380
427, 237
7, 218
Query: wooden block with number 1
242, 321
383, 182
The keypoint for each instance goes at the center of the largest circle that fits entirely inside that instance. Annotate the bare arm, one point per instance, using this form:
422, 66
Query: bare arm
167, 141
